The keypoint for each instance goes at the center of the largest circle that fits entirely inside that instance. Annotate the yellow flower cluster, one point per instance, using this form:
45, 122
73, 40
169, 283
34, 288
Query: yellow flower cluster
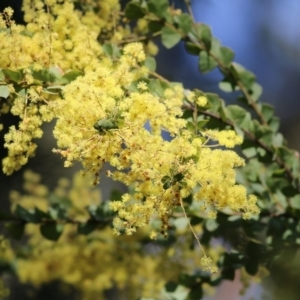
102, 120
103, 115
99, 261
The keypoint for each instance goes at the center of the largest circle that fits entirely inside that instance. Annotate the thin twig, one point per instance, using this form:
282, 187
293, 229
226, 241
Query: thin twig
189, 8
191, 227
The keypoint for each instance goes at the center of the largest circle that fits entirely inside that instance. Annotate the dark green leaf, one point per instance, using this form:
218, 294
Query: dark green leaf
206, 63
185, 22
133, 11
247, 78
196, 220
186, 280
4, 91
170, 37
57, 211
203, 33
71, 76
228, 273
23, 214
191, 48
178, 177
171, 286
188, 199
46, 75
158, 7
86, 228
15, 229
187, 114
155, 26
115, 195
249, 148
196, 293
40, 215
240, 116
166, 181
289, 191
251, 267
12, 75
51, 231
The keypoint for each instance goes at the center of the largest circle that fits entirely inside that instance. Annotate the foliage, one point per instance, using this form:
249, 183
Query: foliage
91, 67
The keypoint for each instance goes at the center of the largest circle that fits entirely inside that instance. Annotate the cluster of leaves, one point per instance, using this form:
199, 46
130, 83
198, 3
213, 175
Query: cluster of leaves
272, 171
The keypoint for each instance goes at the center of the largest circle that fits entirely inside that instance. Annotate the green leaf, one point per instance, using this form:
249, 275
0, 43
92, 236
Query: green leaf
158, 7
251, 267
228, 274
51, 231
155, 26
201, 124
158, 87
40, 215
27, 33
239, 116
256, 91
15, 229
133, 11
71, 76
169, 37
246, 77
290, 191
186, 280
196, 220
249, 148
184, 22
166, 181
196, 293
57, 211
150, 63
188, 199
267, 111
86, 228
206, 63
12, 75
4, 91
203, 33
23, 214
178, 177
295, 202
211, 225
171, 286
105, 124
111, 50
226, 56
192, 49
181, 223
115, 195
47, 75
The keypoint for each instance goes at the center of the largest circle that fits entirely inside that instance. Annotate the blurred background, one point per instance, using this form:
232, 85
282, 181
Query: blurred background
265, 36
